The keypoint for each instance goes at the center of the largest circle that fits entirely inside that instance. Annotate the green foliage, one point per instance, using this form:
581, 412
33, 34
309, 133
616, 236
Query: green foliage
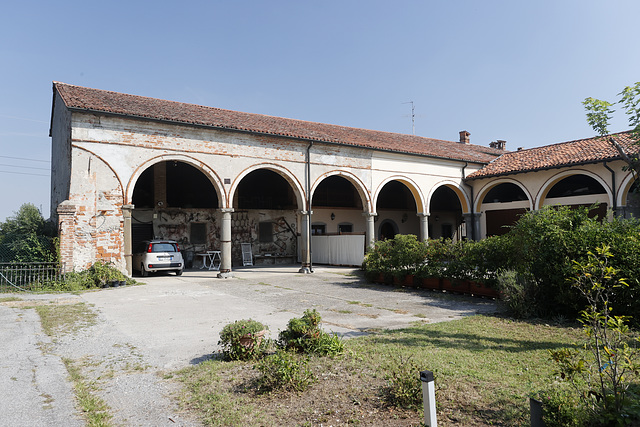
538, 251
395, 257
303, 334
284, 371
243, 340
98, 275
599, 113
404, 387
517, 292
611, 361
561, 407
27, 237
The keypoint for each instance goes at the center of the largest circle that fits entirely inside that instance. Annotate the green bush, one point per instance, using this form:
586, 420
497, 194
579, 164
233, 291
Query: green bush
397, 257
561, 407
243, 340
540, 249
98, 275
303, 334
404, 387
517, 292
284, 371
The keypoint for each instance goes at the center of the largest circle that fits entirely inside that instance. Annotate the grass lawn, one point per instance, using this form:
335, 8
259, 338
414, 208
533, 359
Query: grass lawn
485, 370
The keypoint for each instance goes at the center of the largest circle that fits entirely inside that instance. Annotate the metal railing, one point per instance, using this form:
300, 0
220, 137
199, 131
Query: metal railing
29, 277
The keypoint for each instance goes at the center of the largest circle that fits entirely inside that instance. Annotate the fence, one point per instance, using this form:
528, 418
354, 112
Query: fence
29, 277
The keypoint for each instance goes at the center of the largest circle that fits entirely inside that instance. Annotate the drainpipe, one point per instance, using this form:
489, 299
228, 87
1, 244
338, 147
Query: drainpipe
308, 268
473, 221
309, 204
613, 186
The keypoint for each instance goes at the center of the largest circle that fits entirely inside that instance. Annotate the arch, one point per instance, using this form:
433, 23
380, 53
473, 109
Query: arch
625, 188
544, 190
208, 172
387, 229
108, 165
462, 195
354, 180
491, 185
418, 197
283, 172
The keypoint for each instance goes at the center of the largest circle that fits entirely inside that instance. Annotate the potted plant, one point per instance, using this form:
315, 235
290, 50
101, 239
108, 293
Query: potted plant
243, 339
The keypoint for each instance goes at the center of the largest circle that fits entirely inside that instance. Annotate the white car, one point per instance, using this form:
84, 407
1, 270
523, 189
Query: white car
158, 255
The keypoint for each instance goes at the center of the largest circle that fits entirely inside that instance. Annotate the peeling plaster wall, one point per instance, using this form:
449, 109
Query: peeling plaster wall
107, 154
97, 196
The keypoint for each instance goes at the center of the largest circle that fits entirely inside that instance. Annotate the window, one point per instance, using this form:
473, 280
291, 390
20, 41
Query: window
345, 227
265, 230
198, 233
318, 229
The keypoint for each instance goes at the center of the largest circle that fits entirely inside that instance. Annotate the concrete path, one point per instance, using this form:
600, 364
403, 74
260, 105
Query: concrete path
177, 320
34, 390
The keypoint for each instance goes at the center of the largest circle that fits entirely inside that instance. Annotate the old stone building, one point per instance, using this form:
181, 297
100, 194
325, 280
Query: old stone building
128, 168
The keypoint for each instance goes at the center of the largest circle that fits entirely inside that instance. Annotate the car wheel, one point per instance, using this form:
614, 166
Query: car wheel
179, 272
143, 271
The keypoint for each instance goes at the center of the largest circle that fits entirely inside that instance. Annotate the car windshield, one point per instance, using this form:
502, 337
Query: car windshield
163, 247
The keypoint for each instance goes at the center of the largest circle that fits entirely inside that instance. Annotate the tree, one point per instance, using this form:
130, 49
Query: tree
610, 365
27, 237
599, 113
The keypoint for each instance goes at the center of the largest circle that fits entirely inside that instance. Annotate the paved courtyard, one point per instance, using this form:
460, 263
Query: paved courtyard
174, 321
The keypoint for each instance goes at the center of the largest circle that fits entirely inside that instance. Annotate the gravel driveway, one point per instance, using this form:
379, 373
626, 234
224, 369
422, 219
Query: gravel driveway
144, 332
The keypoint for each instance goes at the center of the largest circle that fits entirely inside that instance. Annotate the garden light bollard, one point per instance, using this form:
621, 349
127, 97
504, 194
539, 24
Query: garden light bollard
536, 412
428, 398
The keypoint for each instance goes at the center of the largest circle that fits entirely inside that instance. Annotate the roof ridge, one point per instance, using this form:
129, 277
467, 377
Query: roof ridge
145, 107
261, 114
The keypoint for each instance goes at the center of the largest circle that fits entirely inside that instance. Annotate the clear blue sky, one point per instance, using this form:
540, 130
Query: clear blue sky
512, 70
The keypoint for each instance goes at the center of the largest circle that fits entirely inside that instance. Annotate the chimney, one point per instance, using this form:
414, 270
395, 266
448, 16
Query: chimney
464, 137
499, 144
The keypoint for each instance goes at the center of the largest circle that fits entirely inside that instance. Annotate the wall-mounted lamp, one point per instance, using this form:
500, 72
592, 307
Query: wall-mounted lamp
437, 218
333, 216
404, 217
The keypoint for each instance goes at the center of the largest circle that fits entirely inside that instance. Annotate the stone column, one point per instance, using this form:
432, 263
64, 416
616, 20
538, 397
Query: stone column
305, 242
424, 226
473, 225
225, 240
126, 213
66, 233
370, 236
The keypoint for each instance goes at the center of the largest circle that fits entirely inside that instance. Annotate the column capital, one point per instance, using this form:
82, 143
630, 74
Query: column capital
370, 214
66, 208
305, 212
423, 215
226, 210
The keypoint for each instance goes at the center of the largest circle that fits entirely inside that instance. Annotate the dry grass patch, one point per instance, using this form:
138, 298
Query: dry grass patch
485, 368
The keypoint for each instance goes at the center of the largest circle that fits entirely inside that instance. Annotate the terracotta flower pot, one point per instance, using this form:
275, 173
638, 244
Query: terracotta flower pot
250, 340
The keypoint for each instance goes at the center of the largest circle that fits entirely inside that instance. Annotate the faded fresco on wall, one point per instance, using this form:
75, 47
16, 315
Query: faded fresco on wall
176, 224
245, 228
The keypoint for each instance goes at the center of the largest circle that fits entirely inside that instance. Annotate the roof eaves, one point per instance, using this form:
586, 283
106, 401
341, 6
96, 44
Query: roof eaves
333, 141
558, 166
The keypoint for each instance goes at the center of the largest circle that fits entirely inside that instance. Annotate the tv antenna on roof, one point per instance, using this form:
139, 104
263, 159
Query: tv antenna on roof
413, 117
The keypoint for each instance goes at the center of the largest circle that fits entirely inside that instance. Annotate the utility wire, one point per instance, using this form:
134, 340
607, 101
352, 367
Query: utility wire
25, 167
22, 158
25, 173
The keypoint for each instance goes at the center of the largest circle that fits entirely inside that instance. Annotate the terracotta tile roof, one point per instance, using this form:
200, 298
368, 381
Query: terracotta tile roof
571, 153
79, 98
